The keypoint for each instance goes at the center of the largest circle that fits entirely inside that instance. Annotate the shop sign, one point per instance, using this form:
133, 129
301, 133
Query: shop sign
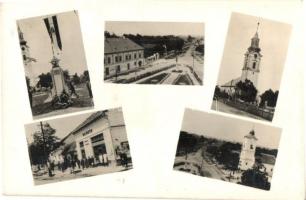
87, 132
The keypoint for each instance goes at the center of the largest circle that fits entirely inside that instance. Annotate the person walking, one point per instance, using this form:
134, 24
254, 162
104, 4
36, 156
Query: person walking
105, 159
72, 89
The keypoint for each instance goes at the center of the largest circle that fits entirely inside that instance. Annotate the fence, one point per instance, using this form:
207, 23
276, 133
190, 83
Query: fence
268, 115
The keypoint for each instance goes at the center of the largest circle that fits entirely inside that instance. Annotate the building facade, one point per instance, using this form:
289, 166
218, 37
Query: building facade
103, 132
121, 55
247, 155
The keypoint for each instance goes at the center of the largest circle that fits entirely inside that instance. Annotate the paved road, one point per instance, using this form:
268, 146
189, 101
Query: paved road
219, 106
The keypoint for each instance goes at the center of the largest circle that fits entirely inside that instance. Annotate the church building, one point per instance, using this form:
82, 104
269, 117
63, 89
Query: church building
247, 155
251, 65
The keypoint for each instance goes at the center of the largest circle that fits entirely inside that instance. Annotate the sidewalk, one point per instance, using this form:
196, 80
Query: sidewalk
66, 175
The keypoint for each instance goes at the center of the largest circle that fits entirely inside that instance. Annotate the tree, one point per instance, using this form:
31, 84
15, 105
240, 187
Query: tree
246, 91
45, 80
44, 143
255, 178
189, 38
108, 35
187, 142
270, 97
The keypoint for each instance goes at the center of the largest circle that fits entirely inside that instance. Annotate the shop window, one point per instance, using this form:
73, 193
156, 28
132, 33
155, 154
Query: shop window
97, 138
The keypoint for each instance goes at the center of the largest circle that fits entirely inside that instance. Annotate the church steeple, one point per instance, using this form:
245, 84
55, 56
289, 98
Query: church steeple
255, 41
252, 59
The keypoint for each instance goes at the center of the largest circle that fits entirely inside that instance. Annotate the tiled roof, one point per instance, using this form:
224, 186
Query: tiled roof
267, 159
115, 45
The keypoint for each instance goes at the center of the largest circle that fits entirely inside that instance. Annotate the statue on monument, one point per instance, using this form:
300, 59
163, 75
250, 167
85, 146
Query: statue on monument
60, 97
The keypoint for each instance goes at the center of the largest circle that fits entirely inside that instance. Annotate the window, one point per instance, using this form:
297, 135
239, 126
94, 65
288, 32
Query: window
139, 55
128, 66
135, 56
108, 60
82, 144
106, 71
97, 138
255, 56
126, 57
24, 57
118, 69
251, 147
22, 48
135, 63
254, 65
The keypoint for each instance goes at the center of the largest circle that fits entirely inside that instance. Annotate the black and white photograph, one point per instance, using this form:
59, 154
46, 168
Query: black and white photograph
252, 65
78, 146
227, 149
169, 53
56, 73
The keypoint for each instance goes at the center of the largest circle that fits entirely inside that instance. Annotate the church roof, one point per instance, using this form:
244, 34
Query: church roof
116, 45
232, 83
267, 158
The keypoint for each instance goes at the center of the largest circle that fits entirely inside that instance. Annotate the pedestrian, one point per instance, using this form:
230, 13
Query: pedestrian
86, 162
72, 89
83, 163
77, 162
101, 159
49, 168
105, 159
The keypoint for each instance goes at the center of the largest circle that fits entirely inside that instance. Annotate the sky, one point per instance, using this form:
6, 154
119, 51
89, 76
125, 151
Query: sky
274, 39
155, 28
63, 126
37, 37
230, 129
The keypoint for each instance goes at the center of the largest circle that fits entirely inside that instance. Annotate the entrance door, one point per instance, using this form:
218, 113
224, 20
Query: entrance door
99, 149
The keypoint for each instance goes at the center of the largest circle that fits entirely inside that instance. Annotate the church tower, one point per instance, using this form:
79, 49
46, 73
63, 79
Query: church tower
247, 155
24, 50
252, 59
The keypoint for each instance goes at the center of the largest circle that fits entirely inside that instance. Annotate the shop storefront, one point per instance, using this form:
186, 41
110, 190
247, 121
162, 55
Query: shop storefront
101, 133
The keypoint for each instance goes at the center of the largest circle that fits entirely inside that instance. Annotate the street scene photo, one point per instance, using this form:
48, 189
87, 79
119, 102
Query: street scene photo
56, 73
227, 149
78, 146
169, 53
251, 68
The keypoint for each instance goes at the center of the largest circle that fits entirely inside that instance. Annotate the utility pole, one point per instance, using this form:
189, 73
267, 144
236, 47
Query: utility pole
44, 142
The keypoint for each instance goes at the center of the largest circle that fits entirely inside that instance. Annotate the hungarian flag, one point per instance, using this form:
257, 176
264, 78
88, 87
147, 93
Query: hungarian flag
52, 27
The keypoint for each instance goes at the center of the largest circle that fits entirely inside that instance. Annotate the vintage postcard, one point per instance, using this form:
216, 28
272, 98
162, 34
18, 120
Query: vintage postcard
55, 66
154, 53
78, 146
252, 66
227, 149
